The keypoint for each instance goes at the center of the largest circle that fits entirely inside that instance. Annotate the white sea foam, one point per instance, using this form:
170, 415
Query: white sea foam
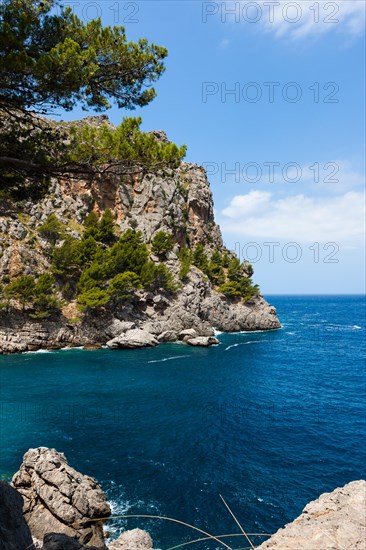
356, 327
245, 344
168, 359
38, 351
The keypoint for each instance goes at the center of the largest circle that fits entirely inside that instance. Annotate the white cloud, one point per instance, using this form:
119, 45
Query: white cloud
260, 215
298, 20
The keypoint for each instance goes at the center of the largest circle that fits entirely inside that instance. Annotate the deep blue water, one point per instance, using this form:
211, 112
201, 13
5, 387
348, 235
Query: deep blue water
268, 420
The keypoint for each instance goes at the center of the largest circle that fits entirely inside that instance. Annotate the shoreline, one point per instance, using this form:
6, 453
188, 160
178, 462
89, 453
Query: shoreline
100, 347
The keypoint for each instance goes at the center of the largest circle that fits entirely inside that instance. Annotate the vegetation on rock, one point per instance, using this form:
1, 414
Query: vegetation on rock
51, 59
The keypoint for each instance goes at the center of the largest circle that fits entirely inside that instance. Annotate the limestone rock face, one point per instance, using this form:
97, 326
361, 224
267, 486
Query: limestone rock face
56, 541
203, 341
14, 531
178, 201
333, 521
58, 499
136, 539
134, 338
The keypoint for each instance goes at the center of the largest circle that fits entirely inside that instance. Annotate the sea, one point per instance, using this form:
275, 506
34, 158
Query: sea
248, 431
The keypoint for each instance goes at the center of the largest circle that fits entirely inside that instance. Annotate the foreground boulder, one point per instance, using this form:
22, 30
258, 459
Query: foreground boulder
203, 341
136, 539
134, 338
56, 541
14, 531
57, 499
334, 521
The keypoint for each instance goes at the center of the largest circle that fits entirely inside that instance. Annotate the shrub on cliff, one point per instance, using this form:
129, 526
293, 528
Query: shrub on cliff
52, 229
93, 298
22, 289
38, 295
200, 259
124, 285
215, 270
185, 258
106, 228
49, 59
93, 146
162, 243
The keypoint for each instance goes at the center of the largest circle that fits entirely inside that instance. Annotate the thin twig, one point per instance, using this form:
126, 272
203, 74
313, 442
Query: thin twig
241, 528
160, 517
220, 537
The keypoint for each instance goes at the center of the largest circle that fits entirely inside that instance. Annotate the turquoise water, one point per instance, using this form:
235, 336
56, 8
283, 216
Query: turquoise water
268, 420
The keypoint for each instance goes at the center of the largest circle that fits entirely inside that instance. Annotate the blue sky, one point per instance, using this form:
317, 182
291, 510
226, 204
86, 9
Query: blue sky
285, 149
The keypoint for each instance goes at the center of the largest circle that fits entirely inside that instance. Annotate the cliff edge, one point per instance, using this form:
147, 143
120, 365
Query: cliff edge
50, 505
196, 283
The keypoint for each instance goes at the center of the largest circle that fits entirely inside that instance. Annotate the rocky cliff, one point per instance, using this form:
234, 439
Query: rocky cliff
334, 521
51, 506
177, 201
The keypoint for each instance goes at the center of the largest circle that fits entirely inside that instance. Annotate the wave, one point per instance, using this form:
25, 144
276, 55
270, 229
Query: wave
245, 344
168, 359
37, 351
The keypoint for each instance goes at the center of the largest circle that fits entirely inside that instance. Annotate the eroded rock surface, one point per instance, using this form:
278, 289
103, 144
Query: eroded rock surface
136, 539
178, 201
58, 499
335, 521
133, 338
14, 531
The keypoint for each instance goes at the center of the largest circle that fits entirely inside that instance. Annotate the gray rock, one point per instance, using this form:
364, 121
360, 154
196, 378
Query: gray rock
117, 327
187, 334
334, 521
168, 336
57, 541
18, 231
14, 531
177, 201
203, 341
136, 539
58, 499
135, 338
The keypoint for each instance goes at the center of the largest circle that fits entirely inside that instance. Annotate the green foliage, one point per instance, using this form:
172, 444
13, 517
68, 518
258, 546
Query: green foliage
230, 289
124, 285
51, 58
86, 250
162, 278
36, 294
225, 260
45, 306
200, 259
94, 298
52, 229
106, 228
234, 270
21, 289
215, 270
162, 243
250, 270
185, 257
96, 145
242, 287
91, 225
128, 254
66, 259
45, 284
